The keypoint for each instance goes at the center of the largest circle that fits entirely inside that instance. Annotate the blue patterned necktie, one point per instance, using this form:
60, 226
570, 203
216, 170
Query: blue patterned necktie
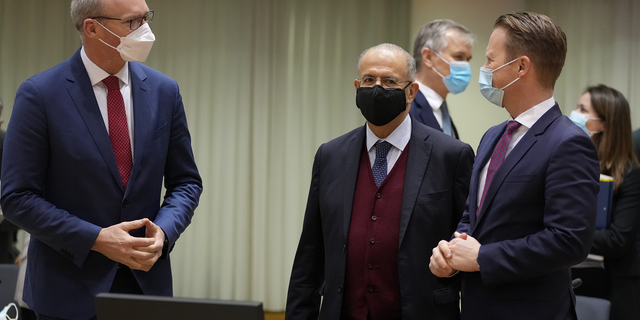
446, 119
379, 168
499, 153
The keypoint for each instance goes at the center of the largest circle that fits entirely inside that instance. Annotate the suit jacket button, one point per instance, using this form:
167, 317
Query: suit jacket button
340, 289
374, 218
370, 289
125, 204
378, 195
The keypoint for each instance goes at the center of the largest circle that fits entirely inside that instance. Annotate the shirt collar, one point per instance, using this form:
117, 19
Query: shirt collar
531, 116
96, 74
398, 138
434, 99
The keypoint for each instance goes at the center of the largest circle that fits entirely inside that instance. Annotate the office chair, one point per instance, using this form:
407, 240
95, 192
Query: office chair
588, 308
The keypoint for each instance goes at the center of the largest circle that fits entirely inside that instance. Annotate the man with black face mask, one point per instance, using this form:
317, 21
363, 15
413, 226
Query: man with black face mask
380, 196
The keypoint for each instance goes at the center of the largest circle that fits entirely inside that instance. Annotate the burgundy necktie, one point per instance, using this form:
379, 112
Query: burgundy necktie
118, 128
499, 153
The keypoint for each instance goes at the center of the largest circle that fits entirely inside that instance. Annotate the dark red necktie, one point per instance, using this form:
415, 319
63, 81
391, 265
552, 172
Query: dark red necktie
118, 128
499, 153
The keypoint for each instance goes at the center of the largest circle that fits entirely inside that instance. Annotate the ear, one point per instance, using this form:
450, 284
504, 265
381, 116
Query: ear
89, 27
356, 83
524, 66
411, 91
427, 57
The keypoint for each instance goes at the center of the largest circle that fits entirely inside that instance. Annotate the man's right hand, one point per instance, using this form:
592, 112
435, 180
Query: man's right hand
117, 244
438, 263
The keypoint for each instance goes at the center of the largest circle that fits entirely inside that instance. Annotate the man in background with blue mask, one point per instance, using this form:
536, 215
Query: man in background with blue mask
380, 198
531, 210
442, 50
89, 145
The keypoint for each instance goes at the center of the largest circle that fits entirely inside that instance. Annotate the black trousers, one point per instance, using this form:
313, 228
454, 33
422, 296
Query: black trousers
124, 282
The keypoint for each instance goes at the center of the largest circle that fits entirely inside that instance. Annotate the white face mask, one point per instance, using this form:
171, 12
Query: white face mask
136, 45
580, 119
5, 316
491, 93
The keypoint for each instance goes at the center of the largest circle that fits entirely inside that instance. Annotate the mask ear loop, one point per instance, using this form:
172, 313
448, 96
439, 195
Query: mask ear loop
504, 65
119, 37
510, 83
7, 309
441, 58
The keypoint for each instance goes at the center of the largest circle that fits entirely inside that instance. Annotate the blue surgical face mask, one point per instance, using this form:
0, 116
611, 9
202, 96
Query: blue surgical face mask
460, 74
494, 95
580, 119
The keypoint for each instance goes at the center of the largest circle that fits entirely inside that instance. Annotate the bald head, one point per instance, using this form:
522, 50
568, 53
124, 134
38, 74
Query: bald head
398, 55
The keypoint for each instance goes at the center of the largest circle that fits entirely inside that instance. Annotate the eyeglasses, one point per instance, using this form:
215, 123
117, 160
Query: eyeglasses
134, 23
387, 83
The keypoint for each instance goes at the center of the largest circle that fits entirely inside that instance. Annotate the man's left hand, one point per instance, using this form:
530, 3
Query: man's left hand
464, 253
155, 232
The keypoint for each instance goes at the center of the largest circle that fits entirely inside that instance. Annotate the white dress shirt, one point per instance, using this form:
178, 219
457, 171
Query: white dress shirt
96, 75
527, 119
398, 140
434, 99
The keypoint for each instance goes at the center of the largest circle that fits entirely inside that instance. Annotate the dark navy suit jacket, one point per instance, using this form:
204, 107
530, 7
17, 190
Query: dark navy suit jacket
435, 189
537, 220
60, 182
421, 110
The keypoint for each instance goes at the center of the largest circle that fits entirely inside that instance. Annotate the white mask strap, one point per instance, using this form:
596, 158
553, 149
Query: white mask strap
504, 65
510, 83
441, 58
110, 32
107, 29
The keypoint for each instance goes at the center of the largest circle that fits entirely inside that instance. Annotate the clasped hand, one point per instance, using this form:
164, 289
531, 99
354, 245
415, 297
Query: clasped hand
117, 244
459, 254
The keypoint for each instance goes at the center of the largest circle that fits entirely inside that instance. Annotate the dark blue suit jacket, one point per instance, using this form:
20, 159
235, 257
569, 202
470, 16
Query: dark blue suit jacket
435, 189
421, 110
60, 182
537, 220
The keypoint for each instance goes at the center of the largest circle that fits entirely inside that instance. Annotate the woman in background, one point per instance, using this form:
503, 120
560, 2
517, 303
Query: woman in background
604, 114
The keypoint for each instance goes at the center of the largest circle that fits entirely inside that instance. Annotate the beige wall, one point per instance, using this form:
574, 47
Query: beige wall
470, 111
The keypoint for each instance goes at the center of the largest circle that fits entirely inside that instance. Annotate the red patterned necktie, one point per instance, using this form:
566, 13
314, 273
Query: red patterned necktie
499, 153
118, 128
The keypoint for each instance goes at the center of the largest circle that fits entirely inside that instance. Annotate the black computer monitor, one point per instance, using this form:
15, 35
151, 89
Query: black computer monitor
116, 306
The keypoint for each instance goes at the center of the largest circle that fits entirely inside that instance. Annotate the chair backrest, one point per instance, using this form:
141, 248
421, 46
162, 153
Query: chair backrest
588, 308
8, 279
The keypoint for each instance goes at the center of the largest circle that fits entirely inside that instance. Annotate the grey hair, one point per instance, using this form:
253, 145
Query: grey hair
411, 63
84, 9
432, 36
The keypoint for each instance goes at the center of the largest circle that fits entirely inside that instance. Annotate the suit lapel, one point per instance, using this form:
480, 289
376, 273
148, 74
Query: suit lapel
519, 151
424, 112
417, 161
81, 92
352, 152
142, 113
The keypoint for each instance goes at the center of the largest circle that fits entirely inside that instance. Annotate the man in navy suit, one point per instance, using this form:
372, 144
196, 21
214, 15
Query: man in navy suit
89, 146
442, 50
532, 204
380, 198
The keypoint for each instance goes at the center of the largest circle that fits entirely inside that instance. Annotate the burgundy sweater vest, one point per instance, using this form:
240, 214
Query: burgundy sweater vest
372, 287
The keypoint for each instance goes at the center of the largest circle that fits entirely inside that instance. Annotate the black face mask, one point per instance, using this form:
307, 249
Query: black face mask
379, 105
